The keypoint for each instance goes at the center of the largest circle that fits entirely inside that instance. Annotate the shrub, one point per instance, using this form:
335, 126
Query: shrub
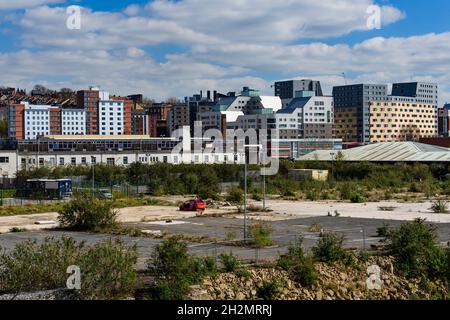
235, 195
269, 290
299, 265
32, 267
256, 197
205, 266
107, 269
383, 231
87, 214
173, 269
413, 246
439, 206
357, 198
229, 262
260, 234
330, 248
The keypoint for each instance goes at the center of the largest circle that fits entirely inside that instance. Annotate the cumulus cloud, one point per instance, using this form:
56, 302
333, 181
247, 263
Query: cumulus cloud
23, 4
224, 45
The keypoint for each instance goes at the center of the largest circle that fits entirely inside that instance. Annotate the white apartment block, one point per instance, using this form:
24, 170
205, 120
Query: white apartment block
36, 120
73, 121
111, 117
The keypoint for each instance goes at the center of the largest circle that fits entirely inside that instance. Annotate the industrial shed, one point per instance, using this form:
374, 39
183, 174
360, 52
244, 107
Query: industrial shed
386, 152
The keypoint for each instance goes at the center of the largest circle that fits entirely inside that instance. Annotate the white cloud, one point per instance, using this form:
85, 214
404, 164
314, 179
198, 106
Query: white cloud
226, 45
23, 4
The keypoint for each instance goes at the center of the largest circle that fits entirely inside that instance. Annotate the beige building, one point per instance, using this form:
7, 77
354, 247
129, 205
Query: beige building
392, 121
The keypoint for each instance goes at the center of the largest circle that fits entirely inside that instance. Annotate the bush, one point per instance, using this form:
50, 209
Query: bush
235, 195
299, 265
383, 231
32, 267
173, 269
87, 214
440, 206
229, 262
107, 269
413, 246
257, 197
357, 198
260, 234
205, 266
269, 290
330, 248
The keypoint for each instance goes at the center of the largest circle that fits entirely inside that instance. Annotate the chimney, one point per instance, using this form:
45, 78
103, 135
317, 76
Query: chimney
209, 95
201, 94
215, 95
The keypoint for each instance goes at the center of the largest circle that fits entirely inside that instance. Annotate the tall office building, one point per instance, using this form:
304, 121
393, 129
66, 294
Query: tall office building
296, 88
354, 100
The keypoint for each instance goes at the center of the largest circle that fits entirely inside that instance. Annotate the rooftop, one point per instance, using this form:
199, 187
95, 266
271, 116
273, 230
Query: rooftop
387, 152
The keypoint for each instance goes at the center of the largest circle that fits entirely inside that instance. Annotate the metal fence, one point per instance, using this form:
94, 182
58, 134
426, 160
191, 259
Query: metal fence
355, 239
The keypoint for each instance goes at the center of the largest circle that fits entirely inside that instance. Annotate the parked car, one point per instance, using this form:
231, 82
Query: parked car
193, 205
104, 194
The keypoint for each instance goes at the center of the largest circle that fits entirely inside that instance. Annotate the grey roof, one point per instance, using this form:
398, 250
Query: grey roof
387, 152
294, 104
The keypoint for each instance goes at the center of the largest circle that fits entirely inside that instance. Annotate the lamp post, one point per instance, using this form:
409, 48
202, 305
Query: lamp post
245, 186
332, 164
93, 176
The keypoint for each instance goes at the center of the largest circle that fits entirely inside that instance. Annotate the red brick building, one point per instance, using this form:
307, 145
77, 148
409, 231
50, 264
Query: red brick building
88, 99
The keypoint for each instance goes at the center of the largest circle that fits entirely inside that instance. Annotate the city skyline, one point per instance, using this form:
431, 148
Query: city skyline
164, 48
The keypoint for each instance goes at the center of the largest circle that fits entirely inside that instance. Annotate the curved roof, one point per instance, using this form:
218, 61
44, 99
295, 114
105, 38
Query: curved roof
387, 152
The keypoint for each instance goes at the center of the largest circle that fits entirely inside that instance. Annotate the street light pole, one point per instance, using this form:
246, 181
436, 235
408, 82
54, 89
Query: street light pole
245, 187
245, 197
264, 187
93, 177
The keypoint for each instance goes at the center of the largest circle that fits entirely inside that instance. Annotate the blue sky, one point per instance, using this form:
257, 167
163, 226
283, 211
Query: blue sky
168, 48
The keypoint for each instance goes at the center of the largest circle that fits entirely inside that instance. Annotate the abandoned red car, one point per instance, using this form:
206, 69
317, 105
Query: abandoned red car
193, 205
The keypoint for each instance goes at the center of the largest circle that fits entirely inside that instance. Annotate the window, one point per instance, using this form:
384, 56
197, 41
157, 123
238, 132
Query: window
4, 159
61, 161
125, 160
73, 161
110, 161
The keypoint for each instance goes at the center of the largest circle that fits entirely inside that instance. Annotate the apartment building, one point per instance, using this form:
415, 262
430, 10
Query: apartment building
423, 92
73, 122
444, 121
291, 89
158, 114
357, 97
28, 122
307, 118
128, 107
178, 117
15, 121
346, 123
88, 100
111, 117
392, 121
